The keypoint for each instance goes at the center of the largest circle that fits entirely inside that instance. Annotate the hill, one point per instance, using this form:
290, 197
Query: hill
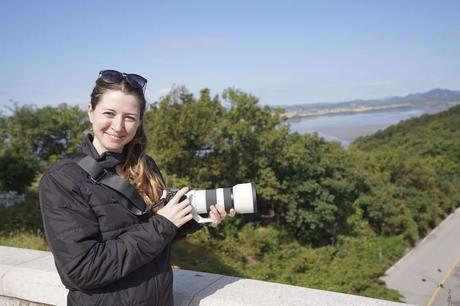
414, 173
427, 135
437, 98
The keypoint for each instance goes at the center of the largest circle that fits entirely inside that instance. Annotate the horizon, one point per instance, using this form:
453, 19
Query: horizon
292, 53
84, 107
375, 99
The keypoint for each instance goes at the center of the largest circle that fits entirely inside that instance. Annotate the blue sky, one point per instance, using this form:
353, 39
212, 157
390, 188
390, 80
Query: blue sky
284, 52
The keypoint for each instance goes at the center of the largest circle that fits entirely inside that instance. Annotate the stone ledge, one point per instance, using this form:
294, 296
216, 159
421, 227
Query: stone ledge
29, 277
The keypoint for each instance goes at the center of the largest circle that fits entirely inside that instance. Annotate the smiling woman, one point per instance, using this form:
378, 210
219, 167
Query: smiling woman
115, 120
106, 251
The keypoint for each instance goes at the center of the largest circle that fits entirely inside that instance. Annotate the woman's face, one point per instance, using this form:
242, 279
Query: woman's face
115, 120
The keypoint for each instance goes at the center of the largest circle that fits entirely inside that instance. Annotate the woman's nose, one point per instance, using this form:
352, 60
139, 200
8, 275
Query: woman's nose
118, 124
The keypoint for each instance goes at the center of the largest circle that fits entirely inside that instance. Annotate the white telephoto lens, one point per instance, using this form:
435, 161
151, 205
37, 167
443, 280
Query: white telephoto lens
244, 198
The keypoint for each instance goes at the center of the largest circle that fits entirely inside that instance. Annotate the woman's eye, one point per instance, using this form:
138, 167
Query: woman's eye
130, 118
110, 114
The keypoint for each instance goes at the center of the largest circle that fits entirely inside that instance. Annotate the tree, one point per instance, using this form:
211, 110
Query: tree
46, 133
320, 188
302, 182
18, 171
33, 138
181, 131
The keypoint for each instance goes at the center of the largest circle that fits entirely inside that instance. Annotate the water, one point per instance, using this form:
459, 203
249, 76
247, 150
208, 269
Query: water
345, 128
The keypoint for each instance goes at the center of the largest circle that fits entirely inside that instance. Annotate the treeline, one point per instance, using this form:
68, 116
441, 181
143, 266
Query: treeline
328, 218
413, 171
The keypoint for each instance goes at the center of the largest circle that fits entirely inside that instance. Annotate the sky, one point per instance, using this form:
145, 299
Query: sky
283, 52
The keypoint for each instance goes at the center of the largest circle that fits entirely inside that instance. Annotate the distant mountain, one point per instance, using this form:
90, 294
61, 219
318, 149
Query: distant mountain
441, 95
436, 98
435, 95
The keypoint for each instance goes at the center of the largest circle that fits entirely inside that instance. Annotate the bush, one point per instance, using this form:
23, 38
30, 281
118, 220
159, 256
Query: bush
24, 239
22, 216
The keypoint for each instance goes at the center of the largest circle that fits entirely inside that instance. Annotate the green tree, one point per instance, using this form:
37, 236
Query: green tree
302, 182
18, 171
33, 138
46, 133
320, 188
181, 133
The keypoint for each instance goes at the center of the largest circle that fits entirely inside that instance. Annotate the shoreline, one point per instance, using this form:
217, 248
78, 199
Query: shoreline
346, 127
347, 136
299, 115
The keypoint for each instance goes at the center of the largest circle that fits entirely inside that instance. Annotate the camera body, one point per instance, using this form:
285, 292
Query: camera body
241, 197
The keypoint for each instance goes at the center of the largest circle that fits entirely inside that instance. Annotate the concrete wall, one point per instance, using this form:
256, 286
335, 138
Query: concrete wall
29, 277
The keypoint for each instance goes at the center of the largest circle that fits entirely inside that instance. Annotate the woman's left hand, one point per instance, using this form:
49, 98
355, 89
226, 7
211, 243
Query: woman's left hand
218, 214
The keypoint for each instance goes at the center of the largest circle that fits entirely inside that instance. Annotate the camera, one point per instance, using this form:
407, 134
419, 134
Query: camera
241, 197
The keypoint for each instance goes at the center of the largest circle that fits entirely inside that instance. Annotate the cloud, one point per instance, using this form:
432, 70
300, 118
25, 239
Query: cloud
191, 43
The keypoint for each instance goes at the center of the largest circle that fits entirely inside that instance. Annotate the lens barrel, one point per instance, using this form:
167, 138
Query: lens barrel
241, 197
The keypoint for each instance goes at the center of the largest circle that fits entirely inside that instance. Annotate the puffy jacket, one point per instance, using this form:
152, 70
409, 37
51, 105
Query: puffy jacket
104, 254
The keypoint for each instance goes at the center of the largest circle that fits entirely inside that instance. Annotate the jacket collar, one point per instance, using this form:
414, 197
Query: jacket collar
107, 159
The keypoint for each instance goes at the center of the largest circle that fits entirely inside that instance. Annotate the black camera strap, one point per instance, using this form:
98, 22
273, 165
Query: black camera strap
136, 204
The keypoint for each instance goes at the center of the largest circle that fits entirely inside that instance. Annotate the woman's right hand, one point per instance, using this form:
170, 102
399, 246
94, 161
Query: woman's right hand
177, 212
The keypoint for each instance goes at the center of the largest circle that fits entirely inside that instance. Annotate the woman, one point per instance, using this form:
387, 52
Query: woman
104, 253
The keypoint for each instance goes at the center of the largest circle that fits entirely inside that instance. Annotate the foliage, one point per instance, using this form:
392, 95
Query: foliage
427, 135
24, 239
18, 171
329, 217
23, 217
412, 173
181, 131
301, 180
46, 133
353, 265
319, 188
33, 138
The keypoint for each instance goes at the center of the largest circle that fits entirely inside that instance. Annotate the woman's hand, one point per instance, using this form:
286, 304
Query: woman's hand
177, 212
218, 214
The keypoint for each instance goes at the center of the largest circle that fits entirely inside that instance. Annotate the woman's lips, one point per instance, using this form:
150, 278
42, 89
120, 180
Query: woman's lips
114, 137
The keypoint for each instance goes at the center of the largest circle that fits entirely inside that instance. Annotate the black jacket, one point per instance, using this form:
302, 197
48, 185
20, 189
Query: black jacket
104, 254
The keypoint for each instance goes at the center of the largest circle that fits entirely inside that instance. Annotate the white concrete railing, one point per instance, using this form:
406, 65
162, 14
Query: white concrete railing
29, 277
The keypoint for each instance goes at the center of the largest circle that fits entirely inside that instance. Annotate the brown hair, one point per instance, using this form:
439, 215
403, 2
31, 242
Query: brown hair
135, 169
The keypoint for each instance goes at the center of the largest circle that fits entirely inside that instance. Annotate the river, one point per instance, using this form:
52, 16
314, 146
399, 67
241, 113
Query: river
345, 128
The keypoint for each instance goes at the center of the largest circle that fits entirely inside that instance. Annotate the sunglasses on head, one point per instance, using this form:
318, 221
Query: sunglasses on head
113, 76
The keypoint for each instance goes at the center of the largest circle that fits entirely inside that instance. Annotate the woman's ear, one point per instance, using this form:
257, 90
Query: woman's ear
90, 113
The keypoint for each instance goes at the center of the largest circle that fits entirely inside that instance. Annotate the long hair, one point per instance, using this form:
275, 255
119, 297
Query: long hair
135, 168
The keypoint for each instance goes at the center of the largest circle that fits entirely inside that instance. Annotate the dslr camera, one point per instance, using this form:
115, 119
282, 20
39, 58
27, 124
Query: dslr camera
241, 197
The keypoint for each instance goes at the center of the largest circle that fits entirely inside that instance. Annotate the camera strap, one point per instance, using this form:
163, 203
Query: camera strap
136, 204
